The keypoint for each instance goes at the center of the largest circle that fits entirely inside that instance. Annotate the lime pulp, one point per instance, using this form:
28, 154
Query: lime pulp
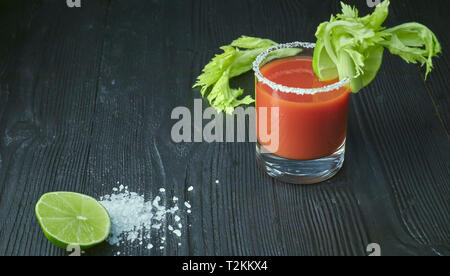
72, 219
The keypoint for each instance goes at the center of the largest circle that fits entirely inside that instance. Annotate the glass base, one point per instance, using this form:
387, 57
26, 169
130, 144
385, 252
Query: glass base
301, 171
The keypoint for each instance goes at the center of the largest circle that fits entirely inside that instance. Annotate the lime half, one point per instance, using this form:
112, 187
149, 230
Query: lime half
72, 219
323, 66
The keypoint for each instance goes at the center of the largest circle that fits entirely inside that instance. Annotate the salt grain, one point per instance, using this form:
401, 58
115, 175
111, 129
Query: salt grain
177, 232
156, 226
134, 220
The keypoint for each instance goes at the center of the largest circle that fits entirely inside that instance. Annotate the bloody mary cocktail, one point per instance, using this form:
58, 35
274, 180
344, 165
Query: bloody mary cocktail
310, 126
308, 116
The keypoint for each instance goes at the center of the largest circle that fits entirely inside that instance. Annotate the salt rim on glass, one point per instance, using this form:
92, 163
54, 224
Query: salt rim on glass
287, 89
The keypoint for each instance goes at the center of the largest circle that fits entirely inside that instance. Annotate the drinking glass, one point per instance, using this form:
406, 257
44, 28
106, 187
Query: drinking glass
301, 121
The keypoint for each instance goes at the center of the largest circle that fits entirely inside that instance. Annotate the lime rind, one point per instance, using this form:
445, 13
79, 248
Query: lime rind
71, 208
323, 66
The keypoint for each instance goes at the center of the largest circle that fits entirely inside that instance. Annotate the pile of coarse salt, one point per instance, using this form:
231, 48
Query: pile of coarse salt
133, 219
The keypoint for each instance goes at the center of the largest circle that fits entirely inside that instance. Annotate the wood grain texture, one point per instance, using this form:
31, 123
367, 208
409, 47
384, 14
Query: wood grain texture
51, 79
85, 103
437, 84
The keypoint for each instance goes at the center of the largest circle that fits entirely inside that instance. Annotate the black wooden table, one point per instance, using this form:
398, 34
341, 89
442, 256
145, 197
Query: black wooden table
86, 96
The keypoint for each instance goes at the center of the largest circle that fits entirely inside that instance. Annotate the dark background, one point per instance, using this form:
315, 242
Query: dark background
85, 101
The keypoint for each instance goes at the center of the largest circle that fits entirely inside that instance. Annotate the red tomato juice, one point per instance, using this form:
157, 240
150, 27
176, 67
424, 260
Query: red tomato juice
310, 126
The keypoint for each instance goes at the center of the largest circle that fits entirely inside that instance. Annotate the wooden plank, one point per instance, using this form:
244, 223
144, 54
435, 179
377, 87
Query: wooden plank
133, 147
400, 124
284, 219
437, 84
51, 82
89, 95
140, 83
